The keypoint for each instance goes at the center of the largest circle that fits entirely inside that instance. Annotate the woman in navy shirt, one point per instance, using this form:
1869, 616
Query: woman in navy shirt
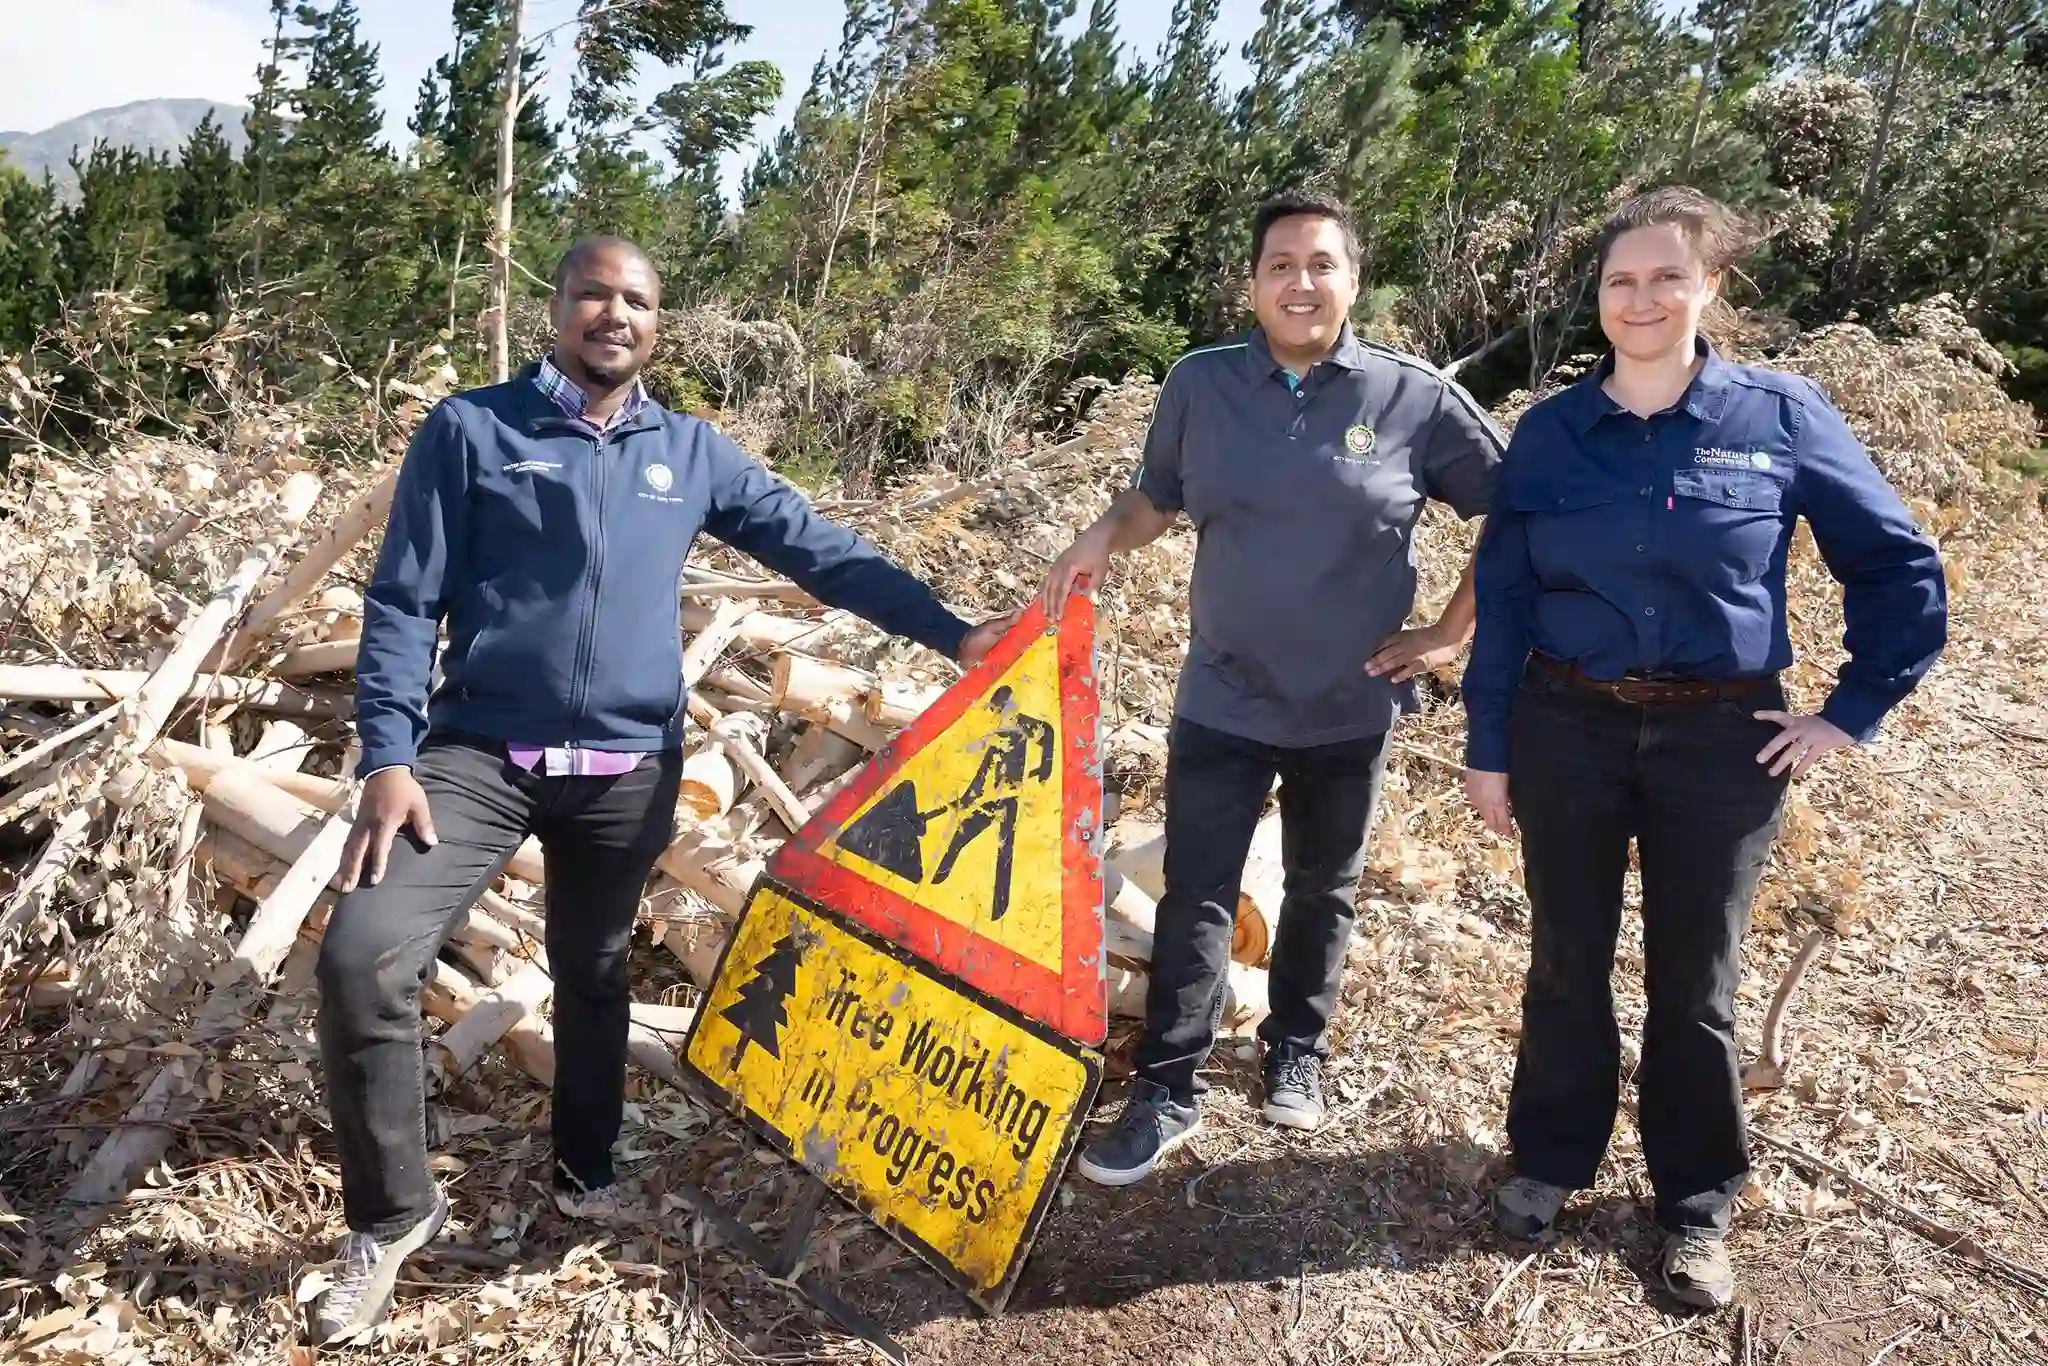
1624, 684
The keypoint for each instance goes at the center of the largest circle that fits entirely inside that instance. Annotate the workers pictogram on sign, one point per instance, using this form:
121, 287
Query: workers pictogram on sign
891, 834
972, 838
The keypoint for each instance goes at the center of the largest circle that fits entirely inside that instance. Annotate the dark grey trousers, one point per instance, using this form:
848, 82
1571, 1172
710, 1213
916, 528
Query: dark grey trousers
1216, 785
1587, 774
601, 836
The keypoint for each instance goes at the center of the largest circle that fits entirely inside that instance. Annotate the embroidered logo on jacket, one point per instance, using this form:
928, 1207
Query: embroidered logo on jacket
1360, 440
659, 478
1741, 460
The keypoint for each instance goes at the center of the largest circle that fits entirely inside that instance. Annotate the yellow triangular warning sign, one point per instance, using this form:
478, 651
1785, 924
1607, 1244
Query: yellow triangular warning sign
972, 840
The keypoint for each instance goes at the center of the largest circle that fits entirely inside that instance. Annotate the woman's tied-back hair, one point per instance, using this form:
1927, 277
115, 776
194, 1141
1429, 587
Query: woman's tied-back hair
1717, 234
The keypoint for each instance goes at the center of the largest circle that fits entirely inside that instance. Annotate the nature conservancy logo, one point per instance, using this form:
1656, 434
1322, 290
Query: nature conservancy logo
1741, 460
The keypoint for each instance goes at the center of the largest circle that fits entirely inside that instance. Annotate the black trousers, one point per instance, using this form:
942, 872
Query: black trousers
1587, 773
601, 836
1216, 785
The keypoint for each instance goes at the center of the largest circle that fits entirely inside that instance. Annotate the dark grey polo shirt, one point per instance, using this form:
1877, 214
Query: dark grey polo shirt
1304, 501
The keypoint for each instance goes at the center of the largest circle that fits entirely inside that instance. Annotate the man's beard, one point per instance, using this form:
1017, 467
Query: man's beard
610, 376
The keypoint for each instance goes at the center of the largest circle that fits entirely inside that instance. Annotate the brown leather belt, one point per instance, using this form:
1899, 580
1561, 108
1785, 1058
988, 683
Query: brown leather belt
1650, 691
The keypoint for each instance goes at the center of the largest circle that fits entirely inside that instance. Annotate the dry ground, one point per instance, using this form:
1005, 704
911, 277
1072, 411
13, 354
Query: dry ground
1919, 1064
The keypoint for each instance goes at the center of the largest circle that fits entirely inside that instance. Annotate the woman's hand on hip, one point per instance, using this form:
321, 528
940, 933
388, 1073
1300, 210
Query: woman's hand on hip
1799, 746
1488, 793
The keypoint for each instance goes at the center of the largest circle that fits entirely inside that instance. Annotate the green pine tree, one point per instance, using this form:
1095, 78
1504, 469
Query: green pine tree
338, 107
29, 292
205, 197
112, 236
458, 106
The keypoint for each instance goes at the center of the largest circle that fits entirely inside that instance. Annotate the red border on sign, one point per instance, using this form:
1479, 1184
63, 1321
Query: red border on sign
1074, 1000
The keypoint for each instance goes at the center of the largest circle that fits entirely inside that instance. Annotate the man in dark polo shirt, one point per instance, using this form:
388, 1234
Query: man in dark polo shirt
1303, 456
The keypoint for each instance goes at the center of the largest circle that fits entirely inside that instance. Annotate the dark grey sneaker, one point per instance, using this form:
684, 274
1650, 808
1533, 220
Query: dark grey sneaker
1150, 1127
1294, 1091
365, 1271
1697, 1271
1525, 1208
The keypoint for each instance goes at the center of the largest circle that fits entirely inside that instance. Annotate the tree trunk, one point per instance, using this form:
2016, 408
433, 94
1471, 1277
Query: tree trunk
1866, 205
501, 235
1699, 98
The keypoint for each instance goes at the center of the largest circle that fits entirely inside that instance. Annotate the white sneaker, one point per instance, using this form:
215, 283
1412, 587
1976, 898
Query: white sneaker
363, 1276
600, 1204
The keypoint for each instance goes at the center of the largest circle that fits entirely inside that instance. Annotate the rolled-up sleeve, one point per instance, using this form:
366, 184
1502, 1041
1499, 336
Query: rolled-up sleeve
1461, 458
1158, 476
1504, 587
1894, 595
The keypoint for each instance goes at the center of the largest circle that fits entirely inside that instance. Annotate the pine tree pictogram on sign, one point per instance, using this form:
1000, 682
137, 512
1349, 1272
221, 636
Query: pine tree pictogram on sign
762, 1007
971, 839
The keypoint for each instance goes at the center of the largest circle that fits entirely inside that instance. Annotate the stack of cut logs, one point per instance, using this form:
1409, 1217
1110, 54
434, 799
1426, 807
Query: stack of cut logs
781, 726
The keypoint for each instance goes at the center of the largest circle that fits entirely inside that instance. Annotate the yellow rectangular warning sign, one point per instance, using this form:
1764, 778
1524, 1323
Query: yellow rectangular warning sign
942, 1114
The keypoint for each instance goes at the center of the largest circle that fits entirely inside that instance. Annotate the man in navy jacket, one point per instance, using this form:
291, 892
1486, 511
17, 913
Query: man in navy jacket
546, 521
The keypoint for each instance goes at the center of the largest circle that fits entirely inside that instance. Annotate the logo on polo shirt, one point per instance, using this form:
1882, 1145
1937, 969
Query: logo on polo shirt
1360, 440
659, 478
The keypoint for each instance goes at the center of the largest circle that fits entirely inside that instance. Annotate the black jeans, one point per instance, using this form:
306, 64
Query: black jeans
1587, 773
601, 836
1216, 785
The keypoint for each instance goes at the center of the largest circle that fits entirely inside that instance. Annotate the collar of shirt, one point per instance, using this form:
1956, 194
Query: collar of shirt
568, 395
1258, 353
1585, 403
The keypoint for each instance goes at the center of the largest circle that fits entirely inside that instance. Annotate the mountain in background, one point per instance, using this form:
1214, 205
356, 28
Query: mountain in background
153, 125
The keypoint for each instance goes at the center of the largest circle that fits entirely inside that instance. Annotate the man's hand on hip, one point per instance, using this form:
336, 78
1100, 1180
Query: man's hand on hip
1411, 654
391, 800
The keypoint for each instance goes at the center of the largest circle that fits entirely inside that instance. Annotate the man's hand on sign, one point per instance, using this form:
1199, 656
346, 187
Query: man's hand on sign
975, 645
392, 799
1413, 653
1080, 567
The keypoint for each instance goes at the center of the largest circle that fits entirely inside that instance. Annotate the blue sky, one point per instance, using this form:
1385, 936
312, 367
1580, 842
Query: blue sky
59, 60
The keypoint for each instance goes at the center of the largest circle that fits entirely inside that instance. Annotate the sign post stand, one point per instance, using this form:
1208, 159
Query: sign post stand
780, 1260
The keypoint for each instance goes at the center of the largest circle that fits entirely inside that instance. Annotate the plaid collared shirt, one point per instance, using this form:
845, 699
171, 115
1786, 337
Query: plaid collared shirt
567, 395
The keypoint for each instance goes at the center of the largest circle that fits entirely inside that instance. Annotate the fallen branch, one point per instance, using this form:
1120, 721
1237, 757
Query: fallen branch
57, 683
1769, 1073
271, 932
710, 641
322, 657
168, 686
742, 742
33, 896
1948, 1239
356, 521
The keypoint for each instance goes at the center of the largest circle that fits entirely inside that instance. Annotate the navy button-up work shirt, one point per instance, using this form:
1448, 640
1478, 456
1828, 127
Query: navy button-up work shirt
1305, 491
1656, 546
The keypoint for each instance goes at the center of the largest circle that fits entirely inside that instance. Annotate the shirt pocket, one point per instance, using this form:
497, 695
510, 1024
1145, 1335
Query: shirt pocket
1727, 522
1569, 528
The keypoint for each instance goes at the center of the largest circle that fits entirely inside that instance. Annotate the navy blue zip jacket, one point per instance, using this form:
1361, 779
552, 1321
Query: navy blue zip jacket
555, 557
1657, 546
